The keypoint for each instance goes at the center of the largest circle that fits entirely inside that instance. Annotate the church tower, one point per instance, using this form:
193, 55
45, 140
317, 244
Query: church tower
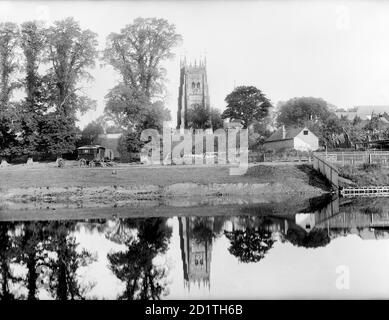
193, 90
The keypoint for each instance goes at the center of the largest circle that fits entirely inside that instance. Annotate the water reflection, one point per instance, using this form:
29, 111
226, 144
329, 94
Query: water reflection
52, 259
135, 266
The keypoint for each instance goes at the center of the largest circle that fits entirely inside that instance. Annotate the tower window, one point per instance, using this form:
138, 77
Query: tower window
198, 85
305, 132
193, 85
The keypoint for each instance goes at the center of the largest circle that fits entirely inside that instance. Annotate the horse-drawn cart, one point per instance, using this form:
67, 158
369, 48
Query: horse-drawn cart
94, 155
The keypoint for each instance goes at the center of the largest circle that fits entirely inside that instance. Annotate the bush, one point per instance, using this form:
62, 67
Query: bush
365, 174
371, 166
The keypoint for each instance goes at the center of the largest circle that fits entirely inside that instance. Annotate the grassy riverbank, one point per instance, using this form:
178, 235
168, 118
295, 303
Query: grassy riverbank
298, 177
364, 175
43, 188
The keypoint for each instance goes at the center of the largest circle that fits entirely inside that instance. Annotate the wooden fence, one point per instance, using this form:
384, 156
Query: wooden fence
356, 158
327, 169
285, 157
369, 191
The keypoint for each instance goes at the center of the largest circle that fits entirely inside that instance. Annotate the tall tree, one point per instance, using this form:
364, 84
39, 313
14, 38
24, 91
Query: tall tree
138, 50
9, 39
33, 43
124, 106
246, 104
298, 111
137, 53
71, 53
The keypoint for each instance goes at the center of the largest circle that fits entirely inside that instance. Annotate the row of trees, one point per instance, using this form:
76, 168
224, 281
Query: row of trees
49, 65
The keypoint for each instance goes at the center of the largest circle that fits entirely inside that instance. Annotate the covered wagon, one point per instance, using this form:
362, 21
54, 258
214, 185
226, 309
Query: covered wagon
92, 155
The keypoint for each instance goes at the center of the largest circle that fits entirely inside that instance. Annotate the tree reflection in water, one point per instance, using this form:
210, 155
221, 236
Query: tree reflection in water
63, 265
314, 239
31, 253
135, 266
7, 256
251, 244
49, 252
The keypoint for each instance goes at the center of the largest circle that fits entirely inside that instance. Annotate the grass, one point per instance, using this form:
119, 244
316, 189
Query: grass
49, 176
366, 174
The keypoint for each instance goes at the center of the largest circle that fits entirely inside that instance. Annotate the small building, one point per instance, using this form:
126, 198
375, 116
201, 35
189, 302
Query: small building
110, 141
301, 139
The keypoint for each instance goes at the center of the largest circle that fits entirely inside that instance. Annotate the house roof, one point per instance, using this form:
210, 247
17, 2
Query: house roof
369, 109
363, 112
290, 133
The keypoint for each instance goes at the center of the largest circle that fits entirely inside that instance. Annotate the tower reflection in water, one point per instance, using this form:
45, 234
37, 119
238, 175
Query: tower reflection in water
253, 236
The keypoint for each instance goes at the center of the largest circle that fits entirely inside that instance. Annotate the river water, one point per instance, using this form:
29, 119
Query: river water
339, 250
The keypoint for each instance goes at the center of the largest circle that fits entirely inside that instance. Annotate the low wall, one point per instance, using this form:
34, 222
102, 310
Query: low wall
327, 169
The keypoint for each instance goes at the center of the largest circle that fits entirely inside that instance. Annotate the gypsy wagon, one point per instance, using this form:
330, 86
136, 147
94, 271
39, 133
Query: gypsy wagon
93, 155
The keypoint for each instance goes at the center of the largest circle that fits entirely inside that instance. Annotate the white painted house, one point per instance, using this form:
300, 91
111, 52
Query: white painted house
301, 139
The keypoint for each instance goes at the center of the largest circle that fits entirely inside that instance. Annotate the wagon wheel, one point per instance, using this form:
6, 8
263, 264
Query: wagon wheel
82, 162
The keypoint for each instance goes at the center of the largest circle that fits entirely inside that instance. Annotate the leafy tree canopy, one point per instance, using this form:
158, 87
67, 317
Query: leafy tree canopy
249, 245
247, 104
298, 111
138, 50
90, 133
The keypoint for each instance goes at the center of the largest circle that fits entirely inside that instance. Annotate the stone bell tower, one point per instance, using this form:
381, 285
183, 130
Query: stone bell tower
193, 90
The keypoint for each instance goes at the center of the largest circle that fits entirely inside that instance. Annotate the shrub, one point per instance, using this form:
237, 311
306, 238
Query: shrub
371, 166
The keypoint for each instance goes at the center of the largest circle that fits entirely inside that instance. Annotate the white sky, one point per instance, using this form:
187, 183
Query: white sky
338, 51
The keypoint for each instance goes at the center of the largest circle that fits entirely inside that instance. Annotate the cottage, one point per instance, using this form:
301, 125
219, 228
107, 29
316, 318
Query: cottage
301, 139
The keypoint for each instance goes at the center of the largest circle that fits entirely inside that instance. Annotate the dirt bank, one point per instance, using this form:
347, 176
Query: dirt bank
55, 188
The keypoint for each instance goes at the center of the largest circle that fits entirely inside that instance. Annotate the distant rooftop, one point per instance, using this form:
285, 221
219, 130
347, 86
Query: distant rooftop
364, 111
290, 133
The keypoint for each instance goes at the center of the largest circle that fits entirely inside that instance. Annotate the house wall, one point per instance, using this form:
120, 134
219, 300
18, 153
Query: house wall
277, 145
306, 142
110, 141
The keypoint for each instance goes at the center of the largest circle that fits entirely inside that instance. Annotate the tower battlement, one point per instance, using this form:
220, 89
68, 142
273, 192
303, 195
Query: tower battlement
196, 64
